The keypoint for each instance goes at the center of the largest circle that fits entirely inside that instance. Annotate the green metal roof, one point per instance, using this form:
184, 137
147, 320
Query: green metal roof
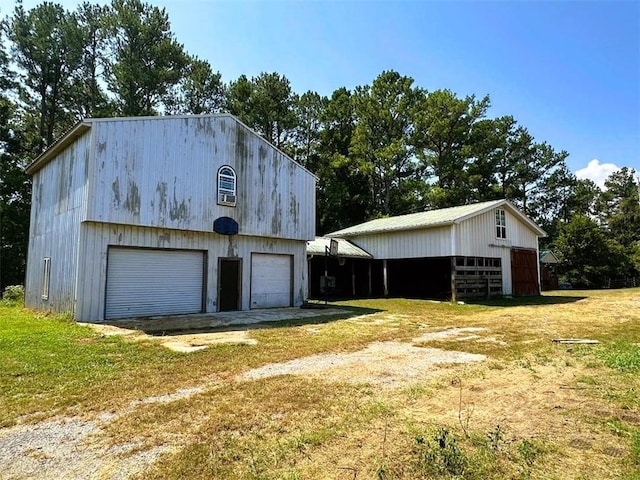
345, 248
432, 218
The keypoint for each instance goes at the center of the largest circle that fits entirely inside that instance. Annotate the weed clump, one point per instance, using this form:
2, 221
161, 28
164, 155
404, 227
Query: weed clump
623, 356
13, 295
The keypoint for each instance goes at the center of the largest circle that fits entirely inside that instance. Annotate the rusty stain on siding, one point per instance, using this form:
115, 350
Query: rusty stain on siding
115, 187
132, 202
86, 164
164, 238
204, 126
63, 188
293, 210
232, 248
179, 210
276, 198
161, 190
241, 145
276, 220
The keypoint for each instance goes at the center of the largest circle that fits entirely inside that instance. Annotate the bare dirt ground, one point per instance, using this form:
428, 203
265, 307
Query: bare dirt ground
531, 398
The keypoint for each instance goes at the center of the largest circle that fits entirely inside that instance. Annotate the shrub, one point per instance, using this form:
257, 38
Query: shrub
13, 295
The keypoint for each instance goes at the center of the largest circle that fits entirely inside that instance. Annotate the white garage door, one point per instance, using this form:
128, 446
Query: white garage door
270, 280
145, 282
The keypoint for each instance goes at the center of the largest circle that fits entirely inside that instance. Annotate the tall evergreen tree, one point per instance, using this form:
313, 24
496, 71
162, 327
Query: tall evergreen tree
15, 185
266, 104
199, 91
621, 206
46, 47
444, 124
343, 194
87, 97
146, 59
383, 142
309, 109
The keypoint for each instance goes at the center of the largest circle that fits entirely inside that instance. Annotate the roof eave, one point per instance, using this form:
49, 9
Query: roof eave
338, 234
45, 157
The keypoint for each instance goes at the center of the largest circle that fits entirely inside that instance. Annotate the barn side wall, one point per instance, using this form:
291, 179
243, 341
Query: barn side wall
97, 237
476, 236
58, 206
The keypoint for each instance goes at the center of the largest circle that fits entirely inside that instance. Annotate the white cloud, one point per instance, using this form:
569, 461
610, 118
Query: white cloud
596, 171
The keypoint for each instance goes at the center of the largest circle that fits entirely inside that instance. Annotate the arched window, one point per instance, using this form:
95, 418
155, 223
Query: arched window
227, 186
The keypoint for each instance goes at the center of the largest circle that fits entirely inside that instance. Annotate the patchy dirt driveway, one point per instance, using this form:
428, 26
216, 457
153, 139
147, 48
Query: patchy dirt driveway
79, 447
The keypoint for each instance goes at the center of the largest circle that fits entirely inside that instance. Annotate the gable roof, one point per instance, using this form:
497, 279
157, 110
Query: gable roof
434, 218
547, 256
345, 248
84, 125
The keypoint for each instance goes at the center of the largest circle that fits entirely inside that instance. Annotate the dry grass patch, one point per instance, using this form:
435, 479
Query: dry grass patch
532, 409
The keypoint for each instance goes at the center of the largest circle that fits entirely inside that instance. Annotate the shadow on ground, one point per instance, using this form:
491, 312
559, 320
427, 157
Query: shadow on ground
527, 301
241, 321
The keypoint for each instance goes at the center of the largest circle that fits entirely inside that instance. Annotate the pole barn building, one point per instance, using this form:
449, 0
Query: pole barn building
482, 250
136, 217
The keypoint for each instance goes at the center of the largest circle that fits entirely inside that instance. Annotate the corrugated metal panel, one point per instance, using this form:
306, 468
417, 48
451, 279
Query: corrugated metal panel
345, 248
97, 237
270, 280
432, 242
162, 172
145, 282
57, 208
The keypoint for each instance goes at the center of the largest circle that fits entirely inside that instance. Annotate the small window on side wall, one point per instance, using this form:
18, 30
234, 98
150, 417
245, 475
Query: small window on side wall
501, 224
46, 275
227, 186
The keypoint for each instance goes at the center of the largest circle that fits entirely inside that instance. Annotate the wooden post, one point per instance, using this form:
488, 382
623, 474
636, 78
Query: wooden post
385, 281
353, 278
370, 289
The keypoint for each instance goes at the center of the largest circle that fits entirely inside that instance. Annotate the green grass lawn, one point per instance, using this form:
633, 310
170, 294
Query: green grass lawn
49, 362
533, 409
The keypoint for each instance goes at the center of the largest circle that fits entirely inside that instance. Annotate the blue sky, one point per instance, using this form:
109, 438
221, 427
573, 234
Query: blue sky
569, 71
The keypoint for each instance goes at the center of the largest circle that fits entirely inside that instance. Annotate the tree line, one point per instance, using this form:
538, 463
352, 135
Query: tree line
383, 149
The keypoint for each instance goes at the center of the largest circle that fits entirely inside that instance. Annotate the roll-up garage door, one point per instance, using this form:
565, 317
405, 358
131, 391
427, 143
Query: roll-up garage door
270, 280
146, 282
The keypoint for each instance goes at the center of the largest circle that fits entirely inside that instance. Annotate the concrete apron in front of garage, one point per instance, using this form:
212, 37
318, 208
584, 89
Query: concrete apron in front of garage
204, 321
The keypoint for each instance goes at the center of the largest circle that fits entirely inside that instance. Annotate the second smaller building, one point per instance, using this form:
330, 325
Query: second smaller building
482, 250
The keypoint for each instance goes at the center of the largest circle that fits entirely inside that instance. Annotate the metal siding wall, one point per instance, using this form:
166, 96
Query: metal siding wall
58, 207
98, 236
163, 173
434, 242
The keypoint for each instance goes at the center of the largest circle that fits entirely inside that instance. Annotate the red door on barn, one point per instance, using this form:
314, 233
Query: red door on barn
524, 272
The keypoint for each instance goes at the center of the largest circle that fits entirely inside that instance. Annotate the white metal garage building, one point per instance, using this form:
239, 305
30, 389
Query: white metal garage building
135, 217
478, 250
